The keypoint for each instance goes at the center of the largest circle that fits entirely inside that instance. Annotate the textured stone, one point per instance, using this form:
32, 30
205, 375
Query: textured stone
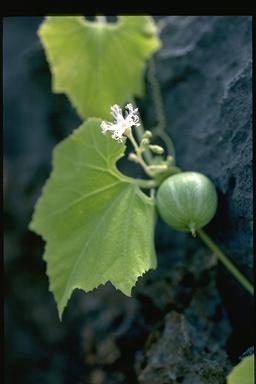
190, 349
176, 357
205, 71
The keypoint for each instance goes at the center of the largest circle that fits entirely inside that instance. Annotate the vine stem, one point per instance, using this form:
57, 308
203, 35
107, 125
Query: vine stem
157, 97
159, 130
226, 261
138, 152
146, 184
140, 132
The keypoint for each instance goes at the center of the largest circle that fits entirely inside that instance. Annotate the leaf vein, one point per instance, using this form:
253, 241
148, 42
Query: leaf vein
83, 197
90, 239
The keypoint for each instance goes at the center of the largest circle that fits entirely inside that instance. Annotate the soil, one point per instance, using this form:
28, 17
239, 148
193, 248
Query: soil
188, 321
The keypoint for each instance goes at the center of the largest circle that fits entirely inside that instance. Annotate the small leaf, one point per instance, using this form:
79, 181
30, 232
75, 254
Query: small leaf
243, 373
98, 225
98, 64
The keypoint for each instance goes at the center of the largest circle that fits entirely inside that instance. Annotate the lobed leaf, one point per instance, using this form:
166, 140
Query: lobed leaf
98, 64
97, 224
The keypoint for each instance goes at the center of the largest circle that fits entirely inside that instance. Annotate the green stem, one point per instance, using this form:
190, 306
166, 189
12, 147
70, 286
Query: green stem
225, 260
168, 141
147, 184
139, 133
130, 136
159, 108
157, 97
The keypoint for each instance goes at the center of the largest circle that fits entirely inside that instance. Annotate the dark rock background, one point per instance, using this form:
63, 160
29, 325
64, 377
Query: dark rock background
205, 68
188, 321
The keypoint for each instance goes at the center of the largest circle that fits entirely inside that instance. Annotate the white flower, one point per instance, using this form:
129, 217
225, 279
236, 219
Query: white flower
121, 123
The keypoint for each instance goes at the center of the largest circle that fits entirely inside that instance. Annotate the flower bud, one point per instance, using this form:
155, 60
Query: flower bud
144, 143
133, 157
157, 149
147, 135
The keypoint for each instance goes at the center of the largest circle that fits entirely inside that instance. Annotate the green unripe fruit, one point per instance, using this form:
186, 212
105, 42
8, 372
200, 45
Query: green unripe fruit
187, 201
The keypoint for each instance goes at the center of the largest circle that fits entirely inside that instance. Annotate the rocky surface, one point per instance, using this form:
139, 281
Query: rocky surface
174, 358
205, 70
189, 344
176, 328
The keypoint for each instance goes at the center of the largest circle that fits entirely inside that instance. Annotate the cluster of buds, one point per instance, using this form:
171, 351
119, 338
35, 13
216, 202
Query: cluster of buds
144, 145
156, 149
121, 128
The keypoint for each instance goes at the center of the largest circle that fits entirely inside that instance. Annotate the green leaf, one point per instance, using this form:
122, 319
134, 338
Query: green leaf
98, 225
243, 373
98, 64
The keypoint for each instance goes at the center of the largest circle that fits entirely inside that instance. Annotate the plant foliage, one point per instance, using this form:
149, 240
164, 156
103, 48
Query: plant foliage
98, 64
243, 373
97, 223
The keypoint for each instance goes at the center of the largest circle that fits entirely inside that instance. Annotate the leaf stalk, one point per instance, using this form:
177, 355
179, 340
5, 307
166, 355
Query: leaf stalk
226, 261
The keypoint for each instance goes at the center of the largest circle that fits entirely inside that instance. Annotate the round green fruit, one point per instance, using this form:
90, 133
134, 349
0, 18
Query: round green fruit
187, 201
